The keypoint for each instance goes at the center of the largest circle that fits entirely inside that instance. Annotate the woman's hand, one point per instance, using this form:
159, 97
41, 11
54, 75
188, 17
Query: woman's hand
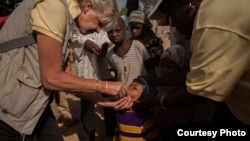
92, 47
108, 101
116, 104
117, 89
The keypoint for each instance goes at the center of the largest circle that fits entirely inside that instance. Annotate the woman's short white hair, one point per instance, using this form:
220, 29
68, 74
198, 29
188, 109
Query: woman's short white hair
109, 7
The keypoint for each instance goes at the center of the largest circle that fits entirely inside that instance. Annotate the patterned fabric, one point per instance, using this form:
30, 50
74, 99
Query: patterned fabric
139, 17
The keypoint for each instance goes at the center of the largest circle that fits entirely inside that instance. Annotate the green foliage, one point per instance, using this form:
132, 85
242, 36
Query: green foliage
123, 11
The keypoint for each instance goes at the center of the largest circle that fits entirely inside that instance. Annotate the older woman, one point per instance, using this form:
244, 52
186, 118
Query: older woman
31, 72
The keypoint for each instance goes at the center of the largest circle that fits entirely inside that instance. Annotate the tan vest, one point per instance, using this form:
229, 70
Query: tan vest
23, 98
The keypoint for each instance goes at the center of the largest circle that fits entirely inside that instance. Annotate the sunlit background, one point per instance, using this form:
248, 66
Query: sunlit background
145, 5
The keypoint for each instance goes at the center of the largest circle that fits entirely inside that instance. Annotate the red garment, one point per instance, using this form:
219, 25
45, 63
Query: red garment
3, 20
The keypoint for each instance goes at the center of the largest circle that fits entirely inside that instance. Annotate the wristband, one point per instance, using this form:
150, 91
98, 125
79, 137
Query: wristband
106, 87
97, 85
161, 103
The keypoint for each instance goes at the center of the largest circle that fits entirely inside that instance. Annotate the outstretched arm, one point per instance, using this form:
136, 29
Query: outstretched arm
108, 102
53, 76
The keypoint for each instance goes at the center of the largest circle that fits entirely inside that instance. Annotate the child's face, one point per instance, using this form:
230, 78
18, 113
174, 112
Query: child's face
136, 29
135, 90
168, 66
117, 35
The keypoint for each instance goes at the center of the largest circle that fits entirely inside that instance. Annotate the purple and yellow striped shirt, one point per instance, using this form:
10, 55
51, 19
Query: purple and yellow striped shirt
134, 126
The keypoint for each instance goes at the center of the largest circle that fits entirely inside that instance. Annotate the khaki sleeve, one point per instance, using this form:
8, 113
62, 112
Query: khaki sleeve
218, 62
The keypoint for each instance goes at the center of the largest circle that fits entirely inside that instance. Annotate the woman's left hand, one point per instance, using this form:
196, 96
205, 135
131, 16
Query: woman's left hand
116, 104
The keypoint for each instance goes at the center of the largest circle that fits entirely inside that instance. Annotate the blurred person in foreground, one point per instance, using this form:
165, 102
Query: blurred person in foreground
220, 61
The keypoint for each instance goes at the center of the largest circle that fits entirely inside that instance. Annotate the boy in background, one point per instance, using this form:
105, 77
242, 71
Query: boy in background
127, 57
141, 30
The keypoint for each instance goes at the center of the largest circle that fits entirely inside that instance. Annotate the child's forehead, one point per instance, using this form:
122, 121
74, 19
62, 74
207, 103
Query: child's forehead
135, 83
136, 86
135, 24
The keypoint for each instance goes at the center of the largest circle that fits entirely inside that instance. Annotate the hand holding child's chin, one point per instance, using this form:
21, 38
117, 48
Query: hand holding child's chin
115, 103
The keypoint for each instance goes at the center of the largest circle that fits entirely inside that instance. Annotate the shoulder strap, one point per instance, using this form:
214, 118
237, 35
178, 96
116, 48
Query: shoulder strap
18, 42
